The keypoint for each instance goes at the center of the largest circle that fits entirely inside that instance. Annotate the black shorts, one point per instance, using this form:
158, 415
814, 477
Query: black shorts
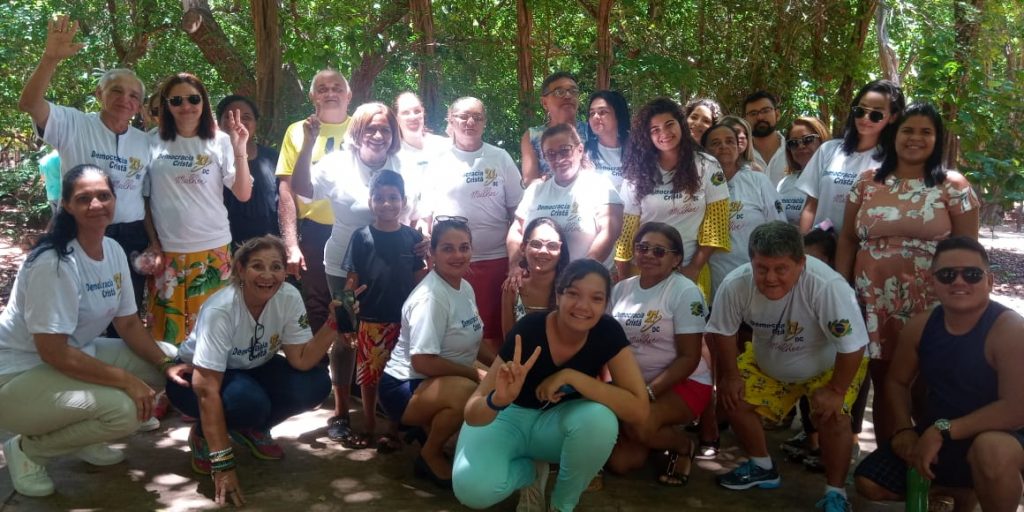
888, 470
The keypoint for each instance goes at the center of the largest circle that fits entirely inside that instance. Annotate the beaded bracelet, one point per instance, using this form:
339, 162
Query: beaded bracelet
491, 404
221, 466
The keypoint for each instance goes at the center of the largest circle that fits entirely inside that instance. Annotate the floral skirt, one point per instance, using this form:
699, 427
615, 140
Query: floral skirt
182, 287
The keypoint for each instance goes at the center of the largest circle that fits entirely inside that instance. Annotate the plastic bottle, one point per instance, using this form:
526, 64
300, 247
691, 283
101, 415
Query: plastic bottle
917, 491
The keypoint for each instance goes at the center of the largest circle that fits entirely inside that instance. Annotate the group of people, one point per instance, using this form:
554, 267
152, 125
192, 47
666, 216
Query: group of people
633, 274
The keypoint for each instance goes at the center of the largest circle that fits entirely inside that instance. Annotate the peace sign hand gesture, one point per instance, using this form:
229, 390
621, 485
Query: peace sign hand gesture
511, 374
60, 38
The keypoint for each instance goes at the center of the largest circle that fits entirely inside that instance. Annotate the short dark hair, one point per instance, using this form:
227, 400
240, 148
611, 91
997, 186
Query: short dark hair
228, 100
774, 239
826, 238
582, 268
965, 243
387, 178
760, 95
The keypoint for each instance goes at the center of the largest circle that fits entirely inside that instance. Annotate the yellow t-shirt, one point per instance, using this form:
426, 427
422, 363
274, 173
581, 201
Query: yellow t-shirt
329, 140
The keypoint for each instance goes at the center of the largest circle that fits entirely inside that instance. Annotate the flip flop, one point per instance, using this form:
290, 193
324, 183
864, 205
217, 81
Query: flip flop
672, 478
356, 441
338, 428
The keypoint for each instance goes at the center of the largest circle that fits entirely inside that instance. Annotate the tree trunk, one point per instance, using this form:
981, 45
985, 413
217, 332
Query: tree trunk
423, 22
604, 46
202, 28
269, 79
855, 47
967, 22
364, 76
887, 59
524, 62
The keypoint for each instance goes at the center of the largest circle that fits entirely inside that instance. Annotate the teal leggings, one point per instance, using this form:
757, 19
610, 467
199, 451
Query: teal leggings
495, 460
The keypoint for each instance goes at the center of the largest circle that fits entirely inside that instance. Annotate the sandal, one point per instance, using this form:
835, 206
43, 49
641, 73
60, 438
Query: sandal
356, 441
338, 428
388, 443
673, 478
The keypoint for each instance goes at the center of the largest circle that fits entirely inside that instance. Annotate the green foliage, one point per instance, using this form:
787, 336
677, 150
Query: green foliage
23, 204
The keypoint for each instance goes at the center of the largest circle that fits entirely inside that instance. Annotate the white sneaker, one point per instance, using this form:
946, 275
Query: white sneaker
100, 454
29, 478
149, 425
531, 497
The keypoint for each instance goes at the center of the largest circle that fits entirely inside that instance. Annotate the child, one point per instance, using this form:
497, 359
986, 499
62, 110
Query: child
380, 256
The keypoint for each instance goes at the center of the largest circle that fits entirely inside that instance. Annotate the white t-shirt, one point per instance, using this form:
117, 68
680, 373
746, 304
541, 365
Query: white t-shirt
186, 191
77, 296
343, 179
752, 202
681, 210
829, 175
440, 320
415, 162
481, 186
652, 318
796, 337
608, 162
792, 198
575, 207
227, 337
774, 168
84, 139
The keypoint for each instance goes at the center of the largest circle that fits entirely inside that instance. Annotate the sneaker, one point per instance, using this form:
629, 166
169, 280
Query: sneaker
749, 475
200, 451
100, 454
149, 425
795, 448
707, 450
531, 497
834, 502
812, 461
29, 478
259, 442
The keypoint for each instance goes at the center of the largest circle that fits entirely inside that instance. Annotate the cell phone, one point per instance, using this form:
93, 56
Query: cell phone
345, 313
566, 389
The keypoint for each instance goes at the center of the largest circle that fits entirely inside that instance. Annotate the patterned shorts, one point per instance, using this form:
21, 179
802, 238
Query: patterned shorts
774, 399
181, 288
374, 343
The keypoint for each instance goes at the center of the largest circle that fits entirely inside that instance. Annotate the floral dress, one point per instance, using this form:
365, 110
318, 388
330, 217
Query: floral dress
898, 224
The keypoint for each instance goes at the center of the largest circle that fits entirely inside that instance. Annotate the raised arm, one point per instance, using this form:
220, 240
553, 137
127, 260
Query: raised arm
530, 160
302, 183
60, 44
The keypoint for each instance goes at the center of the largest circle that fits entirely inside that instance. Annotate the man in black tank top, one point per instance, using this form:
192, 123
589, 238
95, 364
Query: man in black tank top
969, 352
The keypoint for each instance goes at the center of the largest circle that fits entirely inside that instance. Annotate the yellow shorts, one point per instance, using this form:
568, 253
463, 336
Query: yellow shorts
773, 399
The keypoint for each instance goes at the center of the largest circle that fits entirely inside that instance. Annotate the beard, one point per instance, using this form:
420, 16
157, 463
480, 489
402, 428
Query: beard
762, 129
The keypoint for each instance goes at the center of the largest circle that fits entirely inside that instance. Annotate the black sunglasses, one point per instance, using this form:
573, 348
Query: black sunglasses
806, 140
658, 252
971, 275
874, 115
451, 218
193, 99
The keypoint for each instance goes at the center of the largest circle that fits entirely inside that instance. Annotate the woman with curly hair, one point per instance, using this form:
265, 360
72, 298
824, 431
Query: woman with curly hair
701, 114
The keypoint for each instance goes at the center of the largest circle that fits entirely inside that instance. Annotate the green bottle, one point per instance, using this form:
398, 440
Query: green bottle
917, 491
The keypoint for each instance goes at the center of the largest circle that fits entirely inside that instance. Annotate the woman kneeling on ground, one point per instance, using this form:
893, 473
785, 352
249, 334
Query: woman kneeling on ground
663, 314
63, 389
541, 402
241, 387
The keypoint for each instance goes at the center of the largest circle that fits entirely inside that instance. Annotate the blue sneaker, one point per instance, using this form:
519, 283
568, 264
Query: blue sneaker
834, 502
749, 475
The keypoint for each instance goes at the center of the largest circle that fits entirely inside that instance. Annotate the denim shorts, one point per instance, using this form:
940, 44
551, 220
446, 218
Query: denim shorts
395, 394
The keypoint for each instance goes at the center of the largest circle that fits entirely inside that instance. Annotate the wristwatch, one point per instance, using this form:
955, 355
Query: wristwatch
942, 425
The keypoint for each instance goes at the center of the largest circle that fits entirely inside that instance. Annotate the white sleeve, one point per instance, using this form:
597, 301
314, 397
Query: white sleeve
714, 179
808, 180
227, 158
529, 196
689, 310
296, 328
513, 181
60, 125
628, 196
840, 318
214, 330
56, 311
727, 311
428, 322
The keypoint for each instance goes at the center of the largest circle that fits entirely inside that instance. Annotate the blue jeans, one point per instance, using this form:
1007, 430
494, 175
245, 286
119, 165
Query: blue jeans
495, 460
261, 397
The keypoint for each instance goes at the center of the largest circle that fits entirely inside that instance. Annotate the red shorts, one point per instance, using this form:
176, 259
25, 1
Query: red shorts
374, 343
696, 395
486, 278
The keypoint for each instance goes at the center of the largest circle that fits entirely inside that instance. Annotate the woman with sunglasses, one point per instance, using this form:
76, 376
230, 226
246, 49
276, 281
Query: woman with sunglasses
542, 403
544, 257
669, 180
895, 216
560, 97
664, 315
804, 138
608, 118
193, 163
240, 387
830, 173
431, 373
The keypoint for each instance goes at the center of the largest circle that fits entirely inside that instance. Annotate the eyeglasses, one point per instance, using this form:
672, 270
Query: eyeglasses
971, 275
257, 335
763, 112
550, 245
466, 117
806, 140
559, 154
451, 218
657, 251
193, 99
572, 92
875, 116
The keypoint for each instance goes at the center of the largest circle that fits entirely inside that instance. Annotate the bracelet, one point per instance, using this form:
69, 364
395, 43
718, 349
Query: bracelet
650, 393
222, 454
222, 465
165, 364
492, 405
900, 431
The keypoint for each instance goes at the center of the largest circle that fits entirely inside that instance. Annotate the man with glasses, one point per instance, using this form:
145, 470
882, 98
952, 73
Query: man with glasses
761, 111
967, 350
481, 183
808, 340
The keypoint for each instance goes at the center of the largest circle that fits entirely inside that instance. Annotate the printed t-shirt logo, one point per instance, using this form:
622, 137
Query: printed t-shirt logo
653, 317
718, 178
839, 328
117, 281
304, 321
697, 308
202, 160
778, 206
793, 329
490, 177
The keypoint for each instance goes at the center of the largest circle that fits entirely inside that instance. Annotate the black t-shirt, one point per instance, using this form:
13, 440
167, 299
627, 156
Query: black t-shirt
604, 342
257, 216
387, 265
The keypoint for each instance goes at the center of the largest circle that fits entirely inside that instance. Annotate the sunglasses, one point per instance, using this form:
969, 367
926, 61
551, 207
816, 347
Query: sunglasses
806, 140
559, 154
971, 275
658, 252
875, 116
193, 99
550, 245
571, 92
451, 218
